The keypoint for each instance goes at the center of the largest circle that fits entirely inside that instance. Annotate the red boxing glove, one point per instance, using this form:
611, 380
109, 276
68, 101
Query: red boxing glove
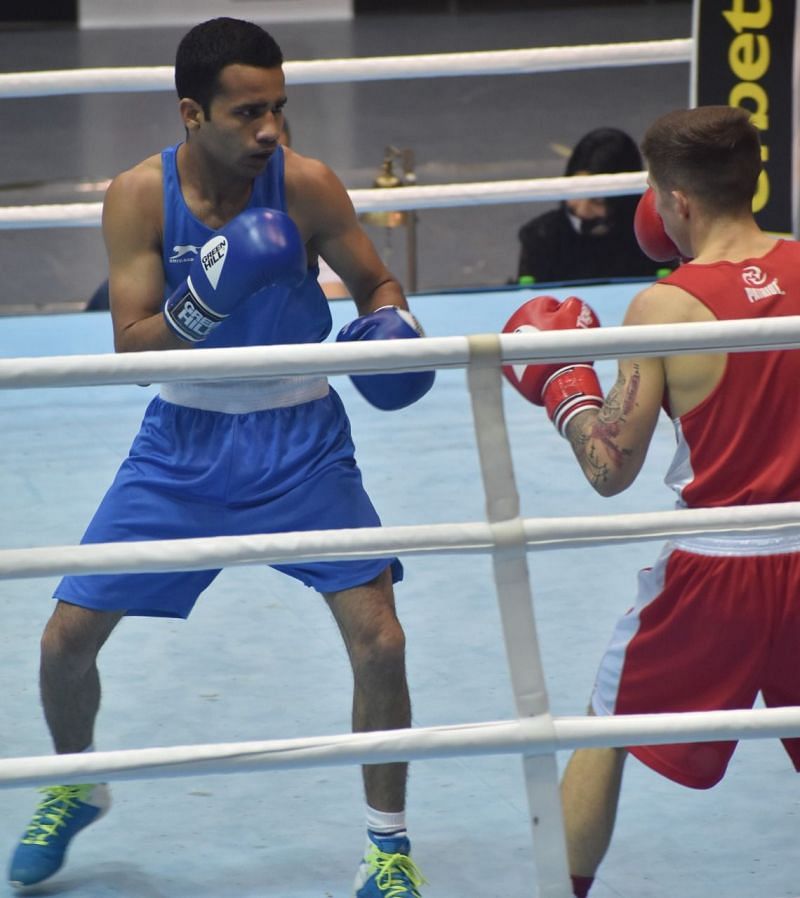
649, 230
563, 389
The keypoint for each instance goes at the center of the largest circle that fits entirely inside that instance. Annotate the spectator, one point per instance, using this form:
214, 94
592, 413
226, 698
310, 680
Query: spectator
590, 238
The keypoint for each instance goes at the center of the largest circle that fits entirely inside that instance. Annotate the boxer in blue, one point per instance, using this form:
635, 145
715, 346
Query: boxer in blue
214, 242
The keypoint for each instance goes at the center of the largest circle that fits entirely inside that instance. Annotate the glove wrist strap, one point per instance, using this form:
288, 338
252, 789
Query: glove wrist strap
188, 316
569, 391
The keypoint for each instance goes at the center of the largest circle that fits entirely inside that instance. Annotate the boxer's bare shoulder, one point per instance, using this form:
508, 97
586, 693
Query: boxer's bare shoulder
135, 198
315, 196
140, 186
665, 304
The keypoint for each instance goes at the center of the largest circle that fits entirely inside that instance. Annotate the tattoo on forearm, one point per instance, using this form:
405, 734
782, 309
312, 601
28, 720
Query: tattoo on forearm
597, 447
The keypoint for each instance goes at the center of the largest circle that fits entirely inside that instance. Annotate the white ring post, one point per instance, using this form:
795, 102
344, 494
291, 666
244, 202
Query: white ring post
514, 596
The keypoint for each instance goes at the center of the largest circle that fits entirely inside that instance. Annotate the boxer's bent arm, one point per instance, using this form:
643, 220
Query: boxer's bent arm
324, 212
611, 442
132, 235
370, 283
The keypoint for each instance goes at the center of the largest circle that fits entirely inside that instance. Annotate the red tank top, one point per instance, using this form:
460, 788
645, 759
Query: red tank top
741, 444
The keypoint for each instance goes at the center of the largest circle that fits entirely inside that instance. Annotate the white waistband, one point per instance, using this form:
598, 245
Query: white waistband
739, 543
238, 397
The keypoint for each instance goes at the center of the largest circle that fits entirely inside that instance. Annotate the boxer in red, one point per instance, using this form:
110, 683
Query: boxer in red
716, 620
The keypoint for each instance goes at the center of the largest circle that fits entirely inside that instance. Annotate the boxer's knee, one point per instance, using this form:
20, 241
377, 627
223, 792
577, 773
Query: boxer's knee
74, 636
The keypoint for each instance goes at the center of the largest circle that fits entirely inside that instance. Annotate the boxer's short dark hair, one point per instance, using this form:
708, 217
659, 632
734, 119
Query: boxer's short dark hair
206, 49
711, 152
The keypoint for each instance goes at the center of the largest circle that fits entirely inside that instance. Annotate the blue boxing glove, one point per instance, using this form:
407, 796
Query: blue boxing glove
257, 249
388, 391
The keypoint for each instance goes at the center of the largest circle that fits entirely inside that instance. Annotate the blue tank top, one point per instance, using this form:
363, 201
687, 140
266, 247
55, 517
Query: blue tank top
274, 314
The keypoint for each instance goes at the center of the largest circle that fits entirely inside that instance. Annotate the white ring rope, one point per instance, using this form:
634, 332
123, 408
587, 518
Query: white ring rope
505, 62
330, 71
396, 355
534, 736
375, 542
530, 737
391, 355
434, 196
612, 342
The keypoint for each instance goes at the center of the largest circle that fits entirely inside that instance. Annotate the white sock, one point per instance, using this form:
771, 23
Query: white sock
100, 796
386, 823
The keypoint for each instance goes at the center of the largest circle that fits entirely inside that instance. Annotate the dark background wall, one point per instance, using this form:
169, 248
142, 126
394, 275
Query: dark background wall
65, 11
488, 6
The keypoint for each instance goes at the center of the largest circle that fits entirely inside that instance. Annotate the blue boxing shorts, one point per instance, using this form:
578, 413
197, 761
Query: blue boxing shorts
197, 473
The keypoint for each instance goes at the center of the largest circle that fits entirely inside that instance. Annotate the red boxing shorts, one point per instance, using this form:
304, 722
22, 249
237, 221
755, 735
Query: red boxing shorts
716, 621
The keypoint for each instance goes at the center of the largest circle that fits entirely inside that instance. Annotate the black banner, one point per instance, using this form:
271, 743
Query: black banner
744, 56
43, 11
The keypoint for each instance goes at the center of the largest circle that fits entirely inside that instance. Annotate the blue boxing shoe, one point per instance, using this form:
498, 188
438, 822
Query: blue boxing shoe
387, 870
62, 814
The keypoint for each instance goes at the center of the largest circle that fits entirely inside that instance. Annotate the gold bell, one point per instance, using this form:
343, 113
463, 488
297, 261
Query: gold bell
386, 178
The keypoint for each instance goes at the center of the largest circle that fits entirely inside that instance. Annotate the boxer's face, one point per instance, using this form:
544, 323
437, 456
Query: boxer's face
245, 118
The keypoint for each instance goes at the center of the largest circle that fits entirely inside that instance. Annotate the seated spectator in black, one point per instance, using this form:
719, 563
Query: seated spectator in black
589, 239
98, 301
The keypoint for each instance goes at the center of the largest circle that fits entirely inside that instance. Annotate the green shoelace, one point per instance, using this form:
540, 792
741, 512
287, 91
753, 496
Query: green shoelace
395, 872
54, 812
